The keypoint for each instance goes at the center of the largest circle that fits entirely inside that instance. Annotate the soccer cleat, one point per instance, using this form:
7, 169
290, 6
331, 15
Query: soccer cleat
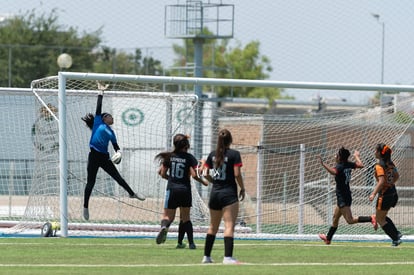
192, 246
374, 222
396, 243
162, 236
137, 196
86, 213
207, 260
180, 245
324, 238
230, 260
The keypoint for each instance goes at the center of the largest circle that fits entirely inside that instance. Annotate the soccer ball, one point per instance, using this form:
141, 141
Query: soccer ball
116, 158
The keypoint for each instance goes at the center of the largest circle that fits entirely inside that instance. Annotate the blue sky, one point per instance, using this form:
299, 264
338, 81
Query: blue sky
306, 40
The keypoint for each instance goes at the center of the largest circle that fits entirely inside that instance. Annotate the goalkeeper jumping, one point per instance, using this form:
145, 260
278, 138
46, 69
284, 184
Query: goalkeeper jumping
102, 133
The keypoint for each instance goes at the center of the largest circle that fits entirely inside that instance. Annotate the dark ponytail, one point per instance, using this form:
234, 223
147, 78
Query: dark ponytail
88, 119
223, 142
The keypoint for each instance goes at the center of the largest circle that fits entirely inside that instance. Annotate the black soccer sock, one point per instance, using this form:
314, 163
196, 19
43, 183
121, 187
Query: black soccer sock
181, 232
165, 223
364, 219
228, 246
209, 244
188, 227
391, 231
331, 232
388, 220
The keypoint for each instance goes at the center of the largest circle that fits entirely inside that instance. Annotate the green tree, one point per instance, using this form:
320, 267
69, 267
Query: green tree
222, 61
110, 61
30, 45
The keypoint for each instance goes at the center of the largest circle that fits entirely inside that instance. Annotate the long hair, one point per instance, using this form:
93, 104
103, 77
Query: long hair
180, 142
88, 119
223, 142
385, 155
343, 154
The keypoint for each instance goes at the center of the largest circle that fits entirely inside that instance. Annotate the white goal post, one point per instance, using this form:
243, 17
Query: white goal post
287, 191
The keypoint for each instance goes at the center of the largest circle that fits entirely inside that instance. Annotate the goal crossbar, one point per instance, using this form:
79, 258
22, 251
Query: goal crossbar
239, 82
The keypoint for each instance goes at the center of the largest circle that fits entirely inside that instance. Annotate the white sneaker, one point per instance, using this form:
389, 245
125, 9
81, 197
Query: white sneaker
207, 260
230, 260
86, 213
137, 196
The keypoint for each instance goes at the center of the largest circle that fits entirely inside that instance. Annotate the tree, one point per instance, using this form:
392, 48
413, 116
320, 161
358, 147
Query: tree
110, 61
222, 61
30, 46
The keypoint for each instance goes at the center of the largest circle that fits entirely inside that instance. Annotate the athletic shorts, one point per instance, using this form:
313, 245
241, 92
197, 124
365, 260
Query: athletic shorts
343, 200
386, 201
175, 198
221, 198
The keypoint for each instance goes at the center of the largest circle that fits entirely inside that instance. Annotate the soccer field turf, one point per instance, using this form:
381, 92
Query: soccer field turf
143, 256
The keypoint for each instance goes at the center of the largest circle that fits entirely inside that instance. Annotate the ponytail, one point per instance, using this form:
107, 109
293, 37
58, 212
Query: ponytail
223, 142
385, 155
88, 119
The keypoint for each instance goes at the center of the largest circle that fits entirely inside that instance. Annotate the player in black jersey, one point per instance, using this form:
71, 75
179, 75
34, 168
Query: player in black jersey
342, 172
223, 169
178, 167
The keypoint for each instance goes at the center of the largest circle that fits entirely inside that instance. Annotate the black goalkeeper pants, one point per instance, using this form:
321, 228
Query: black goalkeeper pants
98, 160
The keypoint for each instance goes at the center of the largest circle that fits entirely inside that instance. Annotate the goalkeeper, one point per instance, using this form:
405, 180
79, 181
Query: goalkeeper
102, 133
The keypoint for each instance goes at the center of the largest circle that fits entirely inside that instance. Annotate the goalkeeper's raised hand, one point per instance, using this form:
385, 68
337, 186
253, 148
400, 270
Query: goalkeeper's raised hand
101, 87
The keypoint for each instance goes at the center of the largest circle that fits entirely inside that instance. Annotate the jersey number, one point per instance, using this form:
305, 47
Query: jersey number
220, 173
177, 170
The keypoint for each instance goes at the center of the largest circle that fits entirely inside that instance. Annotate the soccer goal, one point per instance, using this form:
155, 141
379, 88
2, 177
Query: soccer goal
288, 192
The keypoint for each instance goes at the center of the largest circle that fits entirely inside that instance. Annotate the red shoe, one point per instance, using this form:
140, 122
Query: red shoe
324, 238
374, 222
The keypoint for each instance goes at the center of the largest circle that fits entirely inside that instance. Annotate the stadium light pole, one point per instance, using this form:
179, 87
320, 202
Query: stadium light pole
382, 23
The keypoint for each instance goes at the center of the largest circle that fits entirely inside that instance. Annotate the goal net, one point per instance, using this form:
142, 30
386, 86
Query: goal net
288, 192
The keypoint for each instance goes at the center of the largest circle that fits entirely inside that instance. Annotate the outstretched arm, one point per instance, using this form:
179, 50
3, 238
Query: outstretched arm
331, 170
99, 105
358, 162
101, 88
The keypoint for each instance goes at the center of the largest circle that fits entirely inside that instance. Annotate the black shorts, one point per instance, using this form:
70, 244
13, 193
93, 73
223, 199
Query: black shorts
386, 201
343, 200
175, 198
220, 198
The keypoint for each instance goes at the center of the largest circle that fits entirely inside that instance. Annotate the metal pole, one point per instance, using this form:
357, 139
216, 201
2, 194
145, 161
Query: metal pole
63, 161
301, 188
377, 17
383, 53
259, 188
10, 66
198, 72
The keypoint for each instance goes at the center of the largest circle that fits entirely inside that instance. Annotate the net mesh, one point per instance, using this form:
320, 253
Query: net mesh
288, 191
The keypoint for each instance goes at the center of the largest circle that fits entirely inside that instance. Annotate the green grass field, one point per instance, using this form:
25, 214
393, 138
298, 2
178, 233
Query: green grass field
142, 256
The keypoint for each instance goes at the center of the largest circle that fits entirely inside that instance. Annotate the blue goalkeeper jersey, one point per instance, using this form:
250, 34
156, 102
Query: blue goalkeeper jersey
101, 135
